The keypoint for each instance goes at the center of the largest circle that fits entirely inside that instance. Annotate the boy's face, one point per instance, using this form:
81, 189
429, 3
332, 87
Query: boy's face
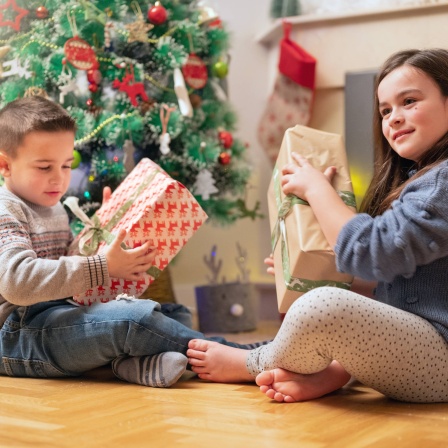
40, 172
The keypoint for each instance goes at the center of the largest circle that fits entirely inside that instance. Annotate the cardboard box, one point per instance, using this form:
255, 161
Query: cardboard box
302, 256
152, 206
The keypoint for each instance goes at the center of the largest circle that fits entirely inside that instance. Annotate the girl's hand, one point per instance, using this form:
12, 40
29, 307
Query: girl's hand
128, 264
300, 178
269, 261
107, 192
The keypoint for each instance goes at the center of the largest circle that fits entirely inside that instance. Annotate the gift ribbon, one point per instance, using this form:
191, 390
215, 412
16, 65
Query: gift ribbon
279, 233
95, 234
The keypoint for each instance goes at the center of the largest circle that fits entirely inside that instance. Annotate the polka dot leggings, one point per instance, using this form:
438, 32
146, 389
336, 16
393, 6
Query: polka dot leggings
393, 351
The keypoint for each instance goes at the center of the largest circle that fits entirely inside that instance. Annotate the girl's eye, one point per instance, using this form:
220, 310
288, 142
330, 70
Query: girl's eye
384, 112
409, 101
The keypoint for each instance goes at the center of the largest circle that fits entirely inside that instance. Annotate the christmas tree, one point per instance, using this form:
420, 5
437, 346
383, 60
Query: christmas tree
141, 80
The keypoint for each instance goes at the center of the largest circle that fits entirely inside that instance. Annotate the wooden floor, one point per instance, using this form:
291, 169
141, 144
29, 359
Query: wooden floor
101, 411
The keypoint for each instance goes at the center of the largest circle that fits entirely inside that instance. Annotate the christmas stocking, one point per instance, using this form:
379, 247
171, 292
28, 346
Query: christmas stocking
292, 99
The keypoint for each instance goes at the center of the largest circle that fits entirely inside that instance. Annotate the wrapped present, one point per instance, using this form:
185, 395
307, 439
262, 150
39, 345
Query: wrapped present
150, 206
302, 255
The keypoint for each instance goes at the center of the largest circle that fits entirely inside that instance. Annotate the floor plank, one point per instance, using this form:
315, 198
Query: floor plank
98, 410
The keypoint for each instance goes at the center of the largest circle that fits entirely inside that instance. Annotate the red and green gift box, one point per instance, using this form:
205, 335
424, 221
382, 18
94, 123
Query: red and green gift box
303, 258
151, 206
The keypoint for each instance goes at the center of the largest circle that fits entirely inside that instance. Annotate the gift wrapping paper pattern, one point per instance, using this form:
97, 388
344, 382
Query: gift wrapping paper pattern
151, 206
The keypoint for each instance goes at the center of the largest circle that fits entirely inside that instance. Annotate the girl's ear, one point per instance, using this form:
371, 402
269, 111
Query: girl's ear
4, 165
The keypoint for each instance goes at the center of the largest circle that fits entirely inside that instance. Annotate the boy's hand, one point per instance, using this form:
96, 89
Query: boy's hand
269, 261
128, 264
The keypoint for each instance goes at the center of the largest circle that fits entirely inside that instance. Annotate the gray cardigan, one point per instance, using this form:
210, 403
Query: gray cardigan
405, 249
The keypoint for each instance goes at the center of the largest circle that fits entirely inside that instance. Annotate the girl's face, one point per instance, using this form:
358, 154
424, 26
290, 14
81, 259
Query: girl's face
414, 111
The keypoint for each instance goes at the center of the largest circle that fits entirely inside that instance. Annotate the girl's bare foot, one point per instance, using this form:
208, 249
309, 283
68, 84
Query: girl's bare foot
289, 387
216, 362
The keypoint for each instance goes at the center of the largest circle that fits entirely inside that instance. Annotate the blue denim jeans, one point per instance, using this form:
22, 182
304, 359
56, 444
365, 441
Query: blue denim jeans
57, 339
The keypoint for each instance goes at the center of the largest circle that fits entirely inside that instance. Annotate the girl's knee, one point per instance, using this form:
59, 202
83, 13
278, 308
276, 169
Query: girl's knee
323, 301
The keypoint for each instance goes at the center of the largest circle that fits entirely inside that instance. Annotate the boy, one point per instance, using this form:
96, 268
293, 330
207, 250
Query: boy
42, 334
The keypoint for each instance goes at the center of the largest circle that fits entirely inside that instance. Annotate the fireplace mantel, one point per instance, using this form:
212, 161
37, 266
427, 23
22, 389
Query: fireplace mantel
361, 40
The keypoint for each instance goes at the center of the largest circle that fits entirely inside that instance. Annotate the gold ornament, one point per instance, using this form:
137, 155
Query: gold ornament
138, 31
3, 51
35, 91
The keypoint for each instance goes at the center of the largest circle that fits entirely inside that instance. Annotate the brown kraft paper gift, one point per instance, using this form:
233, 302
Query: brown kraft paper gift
302, 256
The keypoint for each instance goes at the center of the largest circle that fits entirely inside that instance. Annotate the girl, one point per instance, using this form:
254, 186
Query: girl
396, 344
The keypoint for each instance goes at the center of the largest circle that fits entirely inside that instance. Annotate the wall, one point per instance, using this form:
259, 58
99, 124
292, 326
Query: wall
248, 81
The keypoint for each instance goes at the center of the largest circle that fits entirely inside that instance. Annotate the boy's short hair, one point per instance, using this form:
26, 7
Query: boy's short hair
36, 113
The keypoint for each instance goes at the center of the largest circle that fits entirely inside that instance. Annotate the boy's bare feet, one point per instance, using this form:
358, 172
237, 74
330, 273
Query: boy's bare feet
216, 362
289, 387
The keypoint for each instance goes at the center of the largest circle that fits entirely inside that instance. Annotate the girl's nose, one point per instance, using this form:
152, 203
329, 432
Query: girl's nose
395, 117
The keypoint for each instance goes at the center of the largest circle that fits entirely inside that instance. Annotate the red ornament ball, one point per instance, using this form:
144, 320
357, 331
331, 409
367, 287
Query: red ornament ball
224, 158
226, 139
42, 12
89, 102
157, 14
94, 76
93, 88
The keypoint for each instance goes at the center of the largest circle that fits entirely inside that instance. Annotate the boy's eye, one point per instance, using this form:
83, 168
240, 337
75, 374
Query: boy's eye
43, 168
67, 167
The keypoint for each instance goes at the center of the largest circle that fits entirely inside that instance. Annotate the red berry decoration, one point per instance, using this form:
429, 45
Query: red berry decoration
224, 158
226, 139
157, 14
41, 12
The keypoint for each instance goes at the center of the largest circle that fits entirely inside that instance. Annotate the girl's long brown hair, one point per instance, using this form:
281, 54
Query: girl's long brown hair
391, 172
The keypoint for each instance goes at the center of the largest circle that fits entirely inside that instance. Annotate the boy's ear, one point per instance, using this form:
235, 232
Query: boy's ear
4, 165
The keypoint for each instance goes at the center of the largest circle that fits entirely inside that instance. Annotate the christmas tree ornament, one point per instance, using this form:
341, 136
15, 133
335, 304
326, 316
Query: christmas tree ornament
80, 54
225, 138
67, 84
220, 69
292, 99
128, 159
3, 51
138, 30
16, 68
78, 51
76, 159
109, 34
42, 12
204, 185
5, 11
206, 13
224, 158
157, 14
185, 107
35, 91
195, 100
195, 72
165, 138
130, 87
